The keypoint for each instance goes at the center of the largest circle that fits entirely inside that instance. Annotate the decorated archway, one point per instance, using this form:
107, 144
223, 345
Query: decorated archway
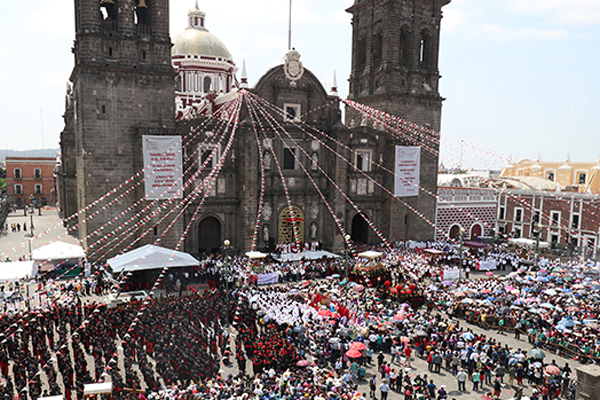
286, 222
209, 235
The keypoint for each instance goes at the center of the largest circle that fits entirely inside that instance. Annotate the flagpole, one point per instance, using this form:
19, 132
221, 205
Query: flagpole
290, 28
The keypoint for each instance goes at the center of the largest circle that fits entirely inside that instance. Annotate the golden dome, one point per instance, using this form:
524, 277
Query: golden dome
199, 41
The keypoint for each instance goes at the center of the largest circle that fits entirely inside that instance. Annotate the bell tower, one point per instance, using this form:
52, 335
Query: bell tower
395, 52
123, 88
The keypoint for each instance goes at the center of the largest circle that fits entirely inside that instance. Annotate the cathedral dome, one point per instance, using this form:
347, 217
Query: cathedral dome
197, 40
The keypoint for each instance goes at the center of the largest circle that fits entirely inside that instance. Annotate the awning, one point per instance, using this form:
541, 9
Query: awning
434, 251
307, 255
529, 243
58, 251
151, 257
15, 271
97, 388
476, 245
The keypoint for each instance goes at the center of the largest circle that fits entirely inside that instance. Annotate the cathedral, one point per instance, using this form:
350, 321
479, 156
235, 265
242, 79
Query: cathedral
324, 176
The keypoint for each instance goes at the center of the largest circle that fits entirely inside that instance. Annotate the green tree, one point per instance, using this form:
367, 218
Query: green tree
2, 179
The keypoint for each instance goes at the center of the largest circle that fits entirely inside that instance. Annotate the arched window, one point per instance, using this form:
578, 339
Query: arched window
142, 13
178, 83
405, 45
361, 55
207, 84
376, 50
425, 49
109, 10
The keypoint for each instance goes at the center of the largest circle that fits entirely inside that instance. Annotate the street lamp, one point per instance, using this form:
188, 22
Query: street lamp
537, 232
31, 215
347, 253
227, 271
460, 251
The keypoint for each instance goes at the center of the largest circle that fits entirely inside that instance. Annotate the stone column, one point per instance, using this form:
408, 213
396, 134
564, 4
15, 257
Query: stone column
588, 382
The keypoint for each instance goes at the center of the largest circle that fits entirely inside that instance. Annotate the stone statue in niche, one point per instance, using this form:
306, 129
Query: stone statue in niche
314, 161
266, 234
313, 230
364, 121
267, 160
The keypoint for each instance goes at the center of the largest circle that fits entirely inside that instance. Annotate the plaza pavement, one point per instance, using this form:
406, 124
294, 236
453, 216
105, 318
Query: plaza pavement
419, 366
14, 245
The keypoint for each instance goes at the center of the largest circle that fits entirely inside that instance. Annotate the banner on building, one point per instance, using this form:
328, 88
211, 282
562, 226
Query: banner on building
162, 167
408, 164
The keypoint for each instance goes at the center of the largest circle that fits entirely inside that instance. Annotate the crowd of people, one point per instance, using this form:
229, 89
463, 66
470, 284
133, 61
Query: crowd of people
315, 334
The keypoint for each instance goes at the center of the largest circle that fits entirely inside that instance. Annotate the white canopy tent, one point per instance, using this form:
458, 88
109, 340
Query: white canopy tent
530, 243
58, 251
151, 257
255, 254
370, 254
97, 388
307, 255
15, 271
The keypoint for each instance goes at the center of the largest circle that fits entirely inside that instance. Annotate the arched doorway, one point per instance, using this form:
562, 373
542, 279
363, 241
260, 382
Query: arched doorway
476, 231
209, 235
286, 227
454, 232
360, 230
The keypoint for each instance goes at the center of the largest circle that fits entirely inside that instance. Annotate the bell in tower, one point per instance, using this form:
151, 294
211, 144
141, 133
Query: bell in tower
111, 9
395, 53
142, 13
395, 48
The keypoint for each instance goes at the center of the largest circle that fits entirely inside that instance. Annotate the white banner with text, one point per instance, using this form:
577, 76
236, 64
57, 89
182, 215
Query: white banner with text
408, 164
162, 167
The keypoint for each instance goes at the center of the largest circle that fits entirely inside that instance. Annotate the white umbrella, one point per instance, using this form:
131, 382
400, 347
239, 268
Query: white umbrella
255, 254
370, 254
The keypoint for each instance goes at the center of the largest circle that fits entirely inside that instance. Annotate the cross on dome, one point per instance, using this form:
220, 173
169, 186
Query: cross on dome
196, 17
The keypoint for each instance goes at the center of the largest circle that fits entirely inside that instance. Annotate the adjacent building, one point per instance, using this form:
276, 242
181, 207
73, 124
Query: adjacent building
30, 181
469, 210
562, 219
582, 177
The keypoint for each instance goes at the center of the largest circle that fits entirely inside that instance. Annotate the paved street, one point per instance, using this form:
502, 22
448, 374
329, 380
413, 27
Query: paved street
16, 244
419, 366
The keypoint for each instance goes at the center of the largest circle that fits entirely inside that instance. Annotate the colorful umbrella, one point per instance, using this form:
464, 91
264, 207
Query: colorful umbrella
399, 317
353, 353
552, 369
324, 313
360, 346
358, 288
536, 354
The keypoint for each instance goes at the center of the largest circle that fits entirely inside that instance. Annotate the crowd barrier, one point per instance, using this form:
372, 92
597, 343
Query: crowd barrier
568, 350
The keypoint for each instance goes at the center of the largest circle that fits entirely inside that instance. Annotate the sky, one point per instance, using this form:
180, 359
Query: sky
520, 77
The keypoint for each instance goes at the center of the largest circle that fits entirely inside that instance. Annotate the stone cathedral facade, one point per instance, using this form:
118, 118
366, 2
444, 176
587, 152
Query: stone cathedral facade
123, 86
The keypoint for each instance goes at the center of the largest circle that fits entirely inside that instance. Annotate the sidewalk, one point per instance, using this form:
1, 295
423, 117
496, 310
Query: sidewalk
16, 244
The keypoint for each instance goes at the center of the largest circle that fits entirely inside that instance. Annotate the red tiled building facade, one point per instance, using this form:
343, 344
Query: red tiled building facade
471, 209
563, 219
30, 180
